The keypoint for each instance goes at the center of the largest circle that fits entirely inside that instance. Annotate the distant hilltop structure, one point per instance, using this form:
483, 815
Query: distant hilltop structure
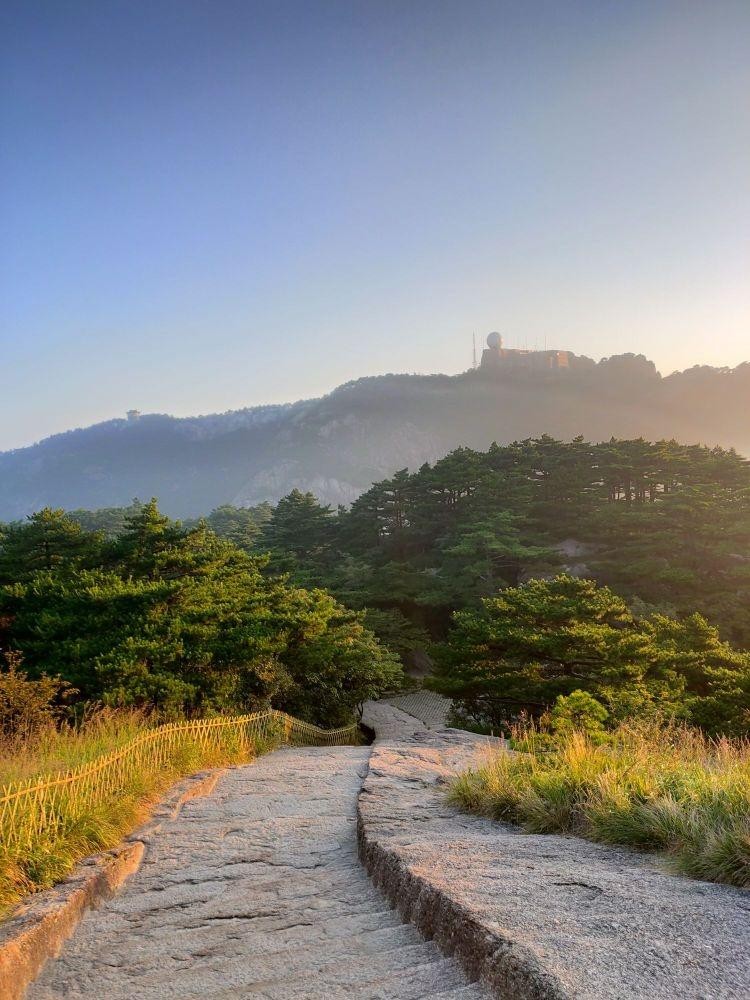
495, 358
133, 415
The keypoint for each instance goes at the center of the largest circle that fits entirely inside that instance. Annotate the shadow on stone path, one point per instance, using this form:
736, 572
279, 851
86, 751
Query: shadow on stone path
257, 892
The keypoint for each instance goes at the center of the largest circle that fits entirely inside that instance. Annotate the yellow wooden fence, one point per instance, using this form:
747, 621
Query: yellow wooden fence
41, 807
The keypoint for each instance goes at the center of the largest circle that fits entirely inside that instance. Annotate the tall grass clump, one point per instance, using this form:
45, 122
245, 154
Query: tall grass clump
40, 845
656, 788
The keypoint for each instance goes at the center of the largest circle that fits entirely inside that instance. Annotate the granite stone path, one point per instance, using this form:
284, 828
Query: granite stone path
256, 891
428, 707
547, 915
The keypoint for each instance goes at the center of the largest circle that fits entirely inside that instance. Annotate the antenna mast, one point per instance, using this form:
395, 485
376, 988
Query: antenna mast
474, 349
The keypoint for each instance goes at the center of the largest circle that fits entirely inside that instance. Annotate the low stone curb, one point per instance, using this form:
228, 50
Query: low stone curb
507, 968
39, 927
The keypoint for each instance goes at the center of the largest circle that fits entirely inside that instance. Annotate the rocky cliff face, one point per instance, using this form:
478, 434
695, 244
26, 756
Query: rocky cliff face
338, 445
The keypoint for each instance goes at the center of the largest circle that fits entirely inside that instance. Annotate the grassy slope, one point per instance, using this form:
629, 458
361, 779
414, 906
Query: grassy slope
671, 791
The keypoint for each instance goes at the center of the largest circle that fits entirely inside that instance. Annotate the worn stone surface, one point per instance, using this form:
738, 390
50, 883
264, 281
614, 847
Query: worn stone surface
427, 706
257, 892
538, 916
38, 928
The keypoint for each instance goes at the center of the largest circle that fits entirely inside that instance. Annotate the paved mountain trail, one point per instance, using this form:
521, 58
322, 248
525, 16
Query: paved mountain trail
256, 891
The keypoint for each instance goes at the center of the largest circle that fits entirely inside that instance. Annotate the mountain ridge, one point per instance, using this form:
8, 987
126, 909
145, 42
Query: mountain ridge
337, 444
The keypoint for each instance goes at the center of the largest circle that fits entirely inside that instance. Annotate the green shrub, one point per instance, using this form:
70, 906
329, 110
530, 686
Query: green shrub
578, 711
26, 706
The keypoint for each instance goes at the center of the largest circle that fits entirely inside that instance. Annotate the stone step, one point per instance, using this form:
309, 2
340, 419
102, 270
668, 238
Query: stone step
144, 950
266, 909
422, 982
346, 970
197, 946
201, 958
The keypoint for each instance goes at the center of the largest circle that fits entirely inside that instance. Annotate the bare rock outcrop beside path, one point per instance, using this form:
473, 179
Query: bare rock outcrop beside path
538, 916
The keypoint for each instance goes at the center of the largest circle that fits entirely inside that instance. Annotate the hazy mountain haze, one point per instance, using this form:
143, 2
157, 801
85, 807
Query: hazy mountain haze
337, 445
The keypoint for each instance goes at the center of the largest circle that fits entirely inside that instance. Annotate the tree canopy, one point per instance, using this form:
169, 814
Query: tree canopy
531, 645
619, 569
182, 620
663, 523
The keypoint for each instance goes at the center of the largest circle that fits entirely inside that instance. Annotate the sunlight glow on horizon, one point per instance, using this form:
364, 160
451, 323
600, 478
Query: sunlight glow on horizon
249, 204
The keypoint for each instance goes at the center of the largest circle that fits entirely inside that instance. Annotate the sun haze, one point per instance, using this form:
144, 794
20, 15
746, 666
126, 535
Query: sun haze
208, 206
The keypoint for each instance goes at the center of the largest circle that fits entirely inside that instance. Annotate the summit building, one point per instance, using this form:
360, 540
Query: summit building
495, 357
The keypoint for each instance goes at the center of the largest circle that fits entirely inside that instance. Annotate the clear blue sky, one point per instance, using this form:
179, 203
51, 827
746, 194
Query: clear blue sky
207, 205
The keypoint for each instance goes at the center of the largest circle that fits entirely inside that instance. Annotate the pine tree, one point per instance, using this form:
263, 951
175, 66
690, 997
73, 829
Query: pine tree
47, 540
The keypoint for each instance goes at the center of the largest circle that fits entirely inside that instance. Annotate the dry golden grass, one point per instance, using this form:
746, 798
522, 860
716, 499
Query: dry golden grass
34, 858
51, 748
660, 789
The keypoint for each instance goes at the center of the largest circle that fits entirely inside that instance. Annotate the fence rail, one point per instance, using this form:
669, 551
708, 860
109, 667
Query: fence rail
45, 806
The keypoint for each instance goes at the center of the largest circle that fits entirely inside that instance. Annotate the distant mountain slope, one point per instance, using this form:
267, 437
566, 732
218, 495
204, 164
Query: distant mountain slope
337, 445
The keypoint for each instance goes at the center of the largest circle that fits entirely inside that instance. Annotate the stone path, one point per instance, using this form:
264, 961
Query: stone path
545, 915
257, 892
429, 707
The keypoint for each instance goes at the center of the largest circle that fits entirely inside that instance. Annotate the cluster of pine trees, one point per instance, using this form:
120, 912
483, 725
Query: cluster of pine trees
662, 523
552, 642
179, 619
528, 572
660, 534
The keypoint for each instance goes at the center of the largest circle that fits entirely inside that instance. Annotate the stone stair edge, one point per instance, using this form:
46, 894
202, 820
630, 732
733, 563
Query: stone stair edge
507, 968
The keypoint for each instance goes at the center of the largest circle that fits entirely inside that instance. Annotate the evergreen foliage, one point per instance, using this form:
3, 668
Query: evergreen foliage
46, 541
550, 641
664, 524
651, 544
181, 620
530, 571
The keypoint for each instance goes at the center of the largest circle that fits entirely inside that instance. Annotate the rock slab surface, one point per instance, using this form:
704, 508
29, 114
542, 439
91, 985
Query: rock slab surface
538, 916
257, 892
